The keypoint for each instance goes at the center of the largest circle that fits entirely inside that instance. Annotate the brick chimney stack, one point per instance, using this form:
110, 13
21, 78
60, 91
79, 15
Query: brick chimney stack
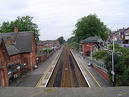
15, 29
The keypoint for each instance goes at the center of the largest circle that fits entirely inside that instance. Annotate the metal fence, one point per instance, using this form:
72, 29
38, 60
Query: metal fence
99, 64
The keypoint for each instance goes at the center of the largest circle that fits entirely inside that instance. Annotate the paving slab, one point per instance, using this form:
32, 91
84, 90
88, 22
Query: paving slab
64, 92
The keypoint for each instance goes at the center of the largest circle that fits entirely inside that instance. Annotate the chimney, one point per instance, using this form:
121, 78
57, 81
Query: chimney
15, 29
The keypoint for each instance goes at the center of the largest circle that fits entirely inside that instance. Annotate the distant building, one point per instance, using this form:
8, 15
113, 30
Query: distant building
90, 44
121, 37
52, 44
20, 48
46, 49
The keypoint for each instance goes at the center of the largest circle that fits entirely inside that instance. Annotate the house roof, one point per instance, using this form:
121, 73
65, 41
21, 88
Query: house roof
22, 42
127, 31
12, 50
48, 42
94, 39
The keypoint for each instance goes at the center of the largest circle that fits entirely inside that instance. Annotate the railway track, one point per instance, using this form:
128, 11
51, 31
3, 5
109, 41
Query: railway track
67, 72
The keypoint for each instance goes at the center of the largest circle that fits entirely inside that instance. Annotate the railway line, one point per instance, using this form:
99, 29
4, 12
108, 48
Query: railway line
67, 72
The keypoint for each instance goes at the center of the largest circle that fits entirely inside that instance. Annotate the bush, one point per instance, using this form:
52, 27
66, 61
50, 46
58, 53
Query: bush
121, 62
74, 45
100, 54
47, 50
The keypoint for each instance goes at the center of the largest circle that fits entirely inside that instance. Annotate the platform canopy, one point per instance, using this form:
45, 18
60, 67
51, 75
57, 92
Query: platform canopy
94, 39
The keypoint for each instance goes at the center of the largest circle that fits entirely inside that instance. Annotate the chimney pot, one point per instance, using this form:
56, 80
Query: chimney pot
15, 29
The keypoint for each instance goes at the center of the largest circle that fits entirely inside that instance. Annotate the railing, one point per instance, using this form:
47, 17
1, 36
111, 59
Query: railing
97, 63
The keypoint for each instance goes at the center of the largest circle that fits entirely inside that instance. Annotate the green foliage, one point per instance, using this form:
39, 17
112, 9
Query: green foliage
118, 49
116, 46
61, 40
72, 39
48, 50
121, 62
24, 23
100, 54
74, 45
90, 26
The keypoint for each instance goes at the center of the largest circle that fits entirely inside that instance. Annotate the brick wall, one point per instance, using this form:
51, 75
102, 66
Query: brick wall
101, 72
87, 47
3, 77
25, 59
28, 58
3, 68
15, 59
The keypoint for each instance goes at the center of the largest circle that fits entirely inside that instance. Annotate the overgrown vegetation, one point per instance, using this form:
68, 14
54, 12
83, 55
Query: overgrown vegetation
102, 54
47, 50
74, 45
121, 60
72, 42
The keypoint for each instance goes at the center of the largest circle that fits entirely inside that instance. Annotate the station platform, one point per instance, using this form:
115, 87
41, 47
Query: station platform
91, 76
64, 92
32, 78
49, 70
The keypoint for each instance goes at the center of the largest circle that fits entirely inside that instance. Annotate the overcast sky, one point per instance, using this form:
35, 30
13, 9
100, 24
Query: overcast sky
57, 17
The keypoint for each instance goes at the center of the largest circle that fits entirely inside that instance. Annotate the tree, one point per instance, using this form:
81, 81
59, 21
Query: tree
61, 39
72, 39
23, 23
121, 63
73, 43
90, 26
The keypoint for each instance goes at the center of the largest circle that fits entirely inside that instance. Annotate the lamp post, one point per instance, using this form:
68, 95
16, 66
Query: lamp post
113, 72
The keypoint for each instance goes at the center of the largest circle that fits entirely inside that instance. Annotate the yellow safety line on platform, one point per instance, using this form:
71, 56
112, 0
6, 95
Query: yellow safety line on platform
39, 82
92, 76
81, 70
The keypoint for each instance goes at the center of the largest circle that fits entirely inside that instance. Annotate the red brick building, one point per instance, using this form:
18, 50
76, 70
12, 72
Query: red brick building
3, 64
21, 53
53, 44
121, 37
90, 44
42, 46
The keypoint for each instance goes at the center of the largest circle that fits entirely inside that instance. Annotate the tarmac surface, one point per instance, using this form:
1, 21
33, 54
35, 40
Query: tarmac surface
64, 92
31, 79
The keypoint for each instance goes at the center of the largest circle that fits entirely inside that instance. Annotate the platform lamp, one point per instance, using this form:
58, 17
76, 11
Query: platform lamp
113, 71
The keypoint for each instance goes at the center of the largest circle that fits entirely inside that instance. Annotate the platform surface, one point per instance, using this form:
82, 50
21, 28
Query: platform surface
64, 92
92, 77
32, 78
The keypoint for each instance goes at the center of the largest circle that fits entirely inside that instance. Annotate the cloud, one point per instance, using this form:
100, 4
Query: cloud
58, 17
13, 5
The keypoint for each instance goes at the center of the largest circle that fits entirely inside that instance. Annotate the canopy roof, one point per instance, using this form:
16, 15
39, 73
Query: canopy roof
94, 39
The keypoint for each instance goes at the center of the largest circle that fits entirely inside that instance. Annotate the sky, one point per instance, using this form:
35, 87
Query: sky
57, 18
